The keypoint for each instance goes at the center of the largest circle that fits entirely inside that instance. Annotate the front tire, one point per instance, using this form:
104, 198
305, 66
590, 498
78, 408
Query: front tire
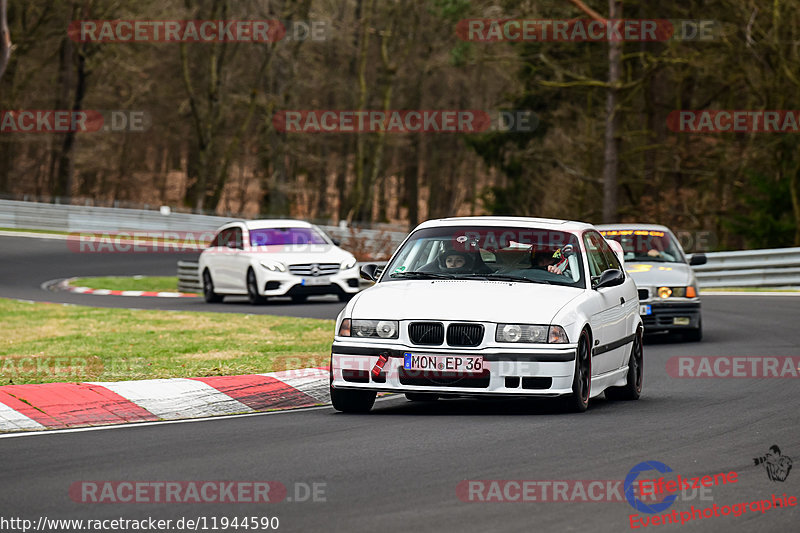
633, 388
352, 401
208, 289
578, 401
252, 289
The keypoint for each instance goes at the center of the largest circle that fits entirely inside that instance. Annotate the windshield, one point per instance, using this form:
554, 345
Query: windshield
284, 236
515, 254
646, 245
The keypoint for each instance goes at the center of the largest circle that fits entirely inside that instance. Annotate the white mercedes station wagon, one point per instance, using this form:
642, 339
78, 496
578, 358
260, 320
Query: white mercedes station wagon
263, 258
492, 306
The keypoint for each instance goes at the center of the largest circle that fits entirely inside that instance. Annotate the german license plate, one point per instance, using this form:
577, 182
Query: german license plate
645, 310
320, 280
443, 363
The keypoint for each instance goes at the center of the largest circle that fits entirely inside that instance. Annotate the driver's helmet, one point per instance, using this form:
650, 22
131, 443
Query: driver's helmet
455, 261
541, 258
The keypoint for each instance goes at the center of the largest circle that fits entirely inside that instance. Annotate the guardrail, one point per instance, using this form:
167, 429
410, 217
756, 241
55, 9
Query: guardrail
189, 277
364, 242
750, 268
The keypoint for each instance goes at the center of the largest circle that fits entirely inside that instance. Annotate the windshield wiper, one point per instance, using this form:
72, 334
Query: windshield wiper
505, 277
421, 275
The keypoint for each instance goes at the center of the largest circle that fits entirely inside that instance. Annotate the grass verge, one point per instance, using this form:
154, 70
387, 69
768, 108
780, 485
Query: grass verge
135, 283
45, 343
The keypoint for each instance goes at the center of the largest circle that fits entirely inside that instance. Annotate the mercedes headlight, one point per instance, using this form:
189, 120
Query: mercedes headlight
274, 266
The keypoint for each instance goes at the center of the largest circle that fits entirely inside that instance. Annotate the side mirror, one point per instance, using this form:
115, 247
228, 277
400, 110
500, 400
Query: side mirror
698, 259
336, 242
610, 278
368, 272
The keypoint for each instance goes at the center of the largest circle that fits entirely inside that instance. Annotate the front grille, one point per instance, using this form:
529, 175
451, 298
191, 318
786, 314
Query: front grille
464, 334
644, 294
663, 314
322, 269
433, 378
426, 333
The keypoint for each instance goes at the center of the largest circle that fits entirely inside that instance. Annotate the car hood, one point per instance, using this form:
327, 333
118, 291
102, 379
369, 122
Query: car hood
472, 300
660, 274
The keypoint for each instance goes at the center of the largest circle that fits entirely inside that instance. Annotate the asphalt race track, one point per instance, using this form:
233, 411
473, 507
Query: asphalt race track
398, 468
27, 263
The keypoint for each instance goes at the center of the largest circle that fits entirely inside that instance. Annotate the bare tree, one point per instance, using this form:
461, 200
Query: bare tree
5, 38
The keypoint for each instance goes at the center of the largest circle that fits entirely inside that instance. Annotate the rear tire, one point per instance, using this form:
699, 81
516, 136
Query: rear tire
421, 396
352, 401
695, 335
633, 388
208, 289
578, 401
252, 289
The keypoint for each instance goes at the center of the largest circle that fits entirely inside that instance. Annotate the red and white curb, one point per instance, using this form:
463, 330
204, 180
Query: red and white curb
65, 285
66, 405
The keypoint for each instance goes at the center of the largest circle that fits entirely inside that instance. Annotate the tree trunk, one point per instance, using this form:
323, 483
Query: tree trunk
5, 38
66, 163
613, 121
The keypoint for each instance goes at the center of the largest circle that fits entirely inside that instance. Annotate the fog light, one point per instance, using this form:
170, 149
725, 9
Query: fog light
681, 321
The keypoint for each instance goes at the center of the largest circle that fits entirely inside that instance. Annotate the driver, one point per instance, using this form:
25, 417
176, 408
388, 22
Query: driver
453, 261
546, 261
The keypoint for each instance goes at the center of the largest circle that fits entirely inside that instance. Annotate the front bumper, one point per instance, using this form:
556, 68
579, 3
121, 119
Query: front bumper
540, 371
286, 284
671, 316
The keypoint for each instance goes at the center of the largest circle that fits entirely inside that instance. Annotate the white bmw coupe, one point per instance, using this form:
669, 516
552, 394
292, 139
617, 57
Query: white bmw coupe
264, 258
501, 306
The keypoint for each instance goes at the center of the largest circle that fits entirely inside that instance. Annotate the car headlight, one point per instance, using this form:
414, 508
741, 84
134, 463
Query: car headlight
382, 329
530, 333
274, 266
350, 263
677, 292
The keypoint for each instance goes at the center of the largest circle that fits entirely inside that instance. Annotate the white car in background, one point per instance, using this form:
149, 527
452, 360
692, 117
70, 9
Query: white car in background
492, 306
669, 300
264, 258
